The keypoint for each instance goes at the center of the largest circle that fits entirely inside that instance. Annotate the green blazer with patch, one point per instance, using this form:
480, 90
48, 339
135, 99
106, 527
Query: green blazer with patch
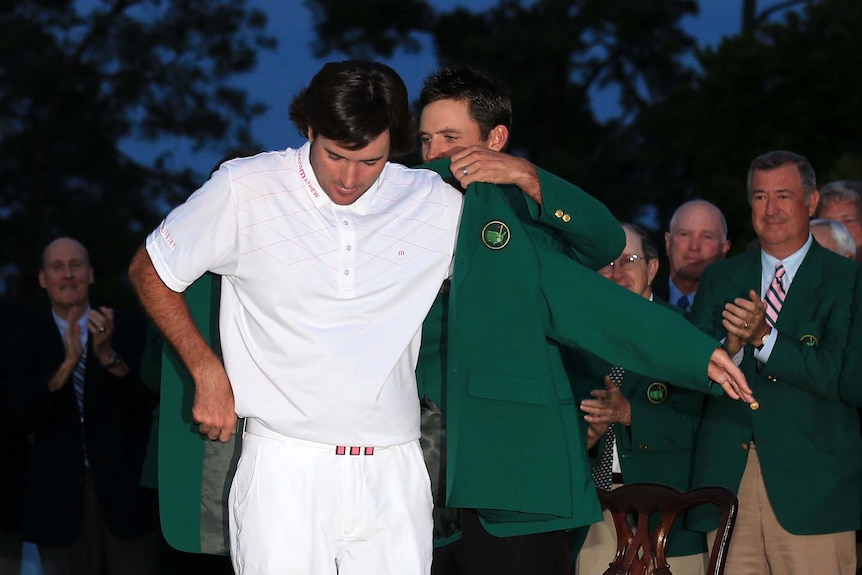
807, 439
514, 448
658, 445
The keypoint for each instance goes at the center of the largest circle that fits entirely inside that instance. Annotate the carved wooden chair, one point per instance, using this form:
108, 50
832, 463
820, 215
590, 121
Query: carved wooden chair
640, 552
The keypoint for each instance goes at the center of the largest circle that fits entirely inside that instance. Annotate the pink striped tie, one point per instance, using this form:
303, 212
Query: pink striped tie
775, 296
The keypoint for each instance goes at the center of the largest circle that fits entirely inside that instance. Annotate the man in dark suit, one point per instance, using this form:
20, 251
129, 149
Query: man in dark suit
697, 237
793, 459
13, 445
75, 390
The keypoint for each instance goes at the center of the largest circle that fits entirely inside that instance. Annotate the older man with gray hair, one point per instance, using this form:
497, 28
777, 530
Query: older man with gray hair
842, 201
834, 236
697, 237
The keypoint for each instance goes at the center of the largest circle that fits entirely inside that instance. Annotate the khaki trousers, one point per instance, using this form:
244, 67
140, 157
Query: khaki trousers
760, 546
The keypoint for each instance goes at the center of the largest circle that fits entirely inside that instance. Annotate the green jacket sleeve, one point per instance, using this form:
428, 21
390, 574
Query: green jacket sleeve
620, 326
582, 222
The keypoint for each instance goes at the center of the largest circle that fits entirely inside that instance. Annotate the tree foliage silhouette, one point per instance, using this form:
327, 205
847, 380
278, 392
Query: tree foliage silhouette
79, 79
685, 120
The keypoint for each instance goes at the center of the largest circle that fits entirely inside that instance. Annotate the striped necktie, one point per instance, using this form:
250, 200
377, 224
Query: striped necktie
78, 384
775, 295
604, 467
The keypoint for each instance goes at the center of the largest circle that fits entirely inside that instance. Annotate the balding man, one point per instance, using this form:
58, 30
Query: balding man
696, 238
75, 390
834, 236
842, 201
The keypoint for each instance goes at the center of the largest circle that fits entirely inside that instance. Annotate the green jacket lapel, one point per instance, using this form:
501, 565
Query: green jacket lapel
808, 279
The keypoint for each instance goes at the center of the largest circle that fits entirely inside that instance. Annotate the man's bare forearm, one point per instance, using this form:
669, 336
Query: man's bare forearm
170, 313
213, 406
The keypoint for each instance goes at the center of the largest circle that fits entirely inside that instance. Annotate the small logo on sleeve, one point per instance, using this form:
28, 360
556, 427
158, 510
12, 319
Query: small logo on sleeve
163, 230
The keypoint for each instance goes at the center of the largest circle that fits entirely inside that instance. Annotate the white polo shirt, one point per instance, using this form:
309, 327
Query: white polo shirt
321, 305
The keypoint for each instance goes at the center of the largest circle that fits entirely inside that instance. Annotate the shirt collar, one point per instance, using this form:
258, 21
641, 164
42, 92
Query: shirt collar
791, 263
61, 323
318, 195
673, 293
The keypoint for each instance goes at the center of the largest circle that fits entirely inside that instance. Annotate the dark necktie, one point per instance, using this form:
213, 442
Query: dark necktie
604, 467
683, 302
78, 384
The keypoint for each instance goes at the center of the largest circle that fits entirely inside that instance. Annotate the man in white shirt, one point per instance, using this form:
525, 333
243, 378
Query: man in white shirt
331, 258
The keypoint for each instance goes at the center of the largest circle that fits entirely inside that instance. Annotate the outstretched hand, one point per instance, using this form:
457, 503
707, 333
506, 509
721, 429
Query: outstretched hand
727, 374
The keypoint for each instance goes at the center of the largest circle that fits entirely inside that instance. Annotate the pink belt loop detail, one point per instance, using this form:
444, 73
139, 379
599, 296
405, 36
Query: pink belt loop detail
342, 450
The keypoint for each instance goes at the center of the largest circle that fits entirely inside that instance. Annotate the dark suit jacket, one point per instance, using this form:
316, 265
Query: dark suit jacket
661, 289
808, 440
13, 443
117, 424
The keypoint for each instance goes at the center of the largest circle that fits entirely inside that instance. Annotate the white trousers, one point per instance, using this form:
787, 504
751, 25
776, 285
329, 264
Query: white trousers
298, 507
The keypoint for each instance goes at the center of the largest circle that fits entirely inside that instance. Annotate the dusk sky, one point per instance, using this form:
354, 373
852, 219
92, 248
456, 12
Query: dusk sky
281, 73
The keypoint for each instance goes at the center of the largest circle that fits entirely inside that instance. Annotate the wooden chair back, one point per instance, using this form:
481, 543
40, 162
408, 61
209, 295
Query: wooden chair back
641, 552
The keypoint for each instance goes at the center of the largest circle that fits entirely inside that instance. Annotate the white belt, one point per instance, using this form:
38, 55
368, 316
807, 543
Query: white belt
255, 427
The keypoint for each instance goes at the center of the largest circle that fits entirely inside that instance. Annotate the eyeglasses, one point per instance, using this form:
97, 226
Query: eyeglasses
626, 261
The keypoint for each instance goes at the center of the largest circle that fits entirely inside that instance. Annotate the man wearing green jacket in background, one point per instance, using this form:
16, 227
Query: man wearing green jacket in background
515, 458
644, 429
794, 463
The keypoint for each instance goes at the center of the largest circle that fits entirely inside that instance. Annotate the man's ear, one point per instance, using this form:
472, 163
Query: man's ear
812, 202
652, 270
309, 133
498, 138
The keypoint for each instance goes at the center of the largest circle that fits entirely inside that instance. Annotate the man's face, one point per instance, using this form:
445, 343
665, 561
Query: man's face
66, 275
848, 213
779, 210
636, 276
346, 174
446, 126
695, 242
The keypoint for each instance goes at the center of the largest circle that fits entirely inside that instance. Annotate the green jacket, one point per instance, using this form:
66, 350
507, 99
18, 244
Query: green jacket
807, 439
194, 474
658, 445
515, 450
